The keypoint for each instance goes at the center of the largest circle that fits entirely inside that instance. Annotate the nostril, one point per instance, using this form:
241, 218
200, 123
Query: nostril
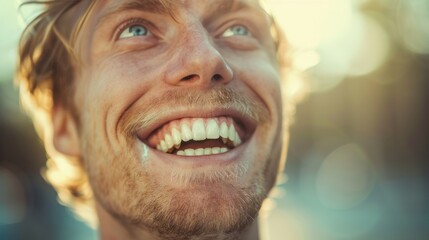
195, 77
217, 77
189, 77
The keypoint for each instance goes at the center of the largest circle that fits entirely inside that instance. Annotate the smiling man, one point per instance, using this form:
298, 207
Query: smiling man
164, 117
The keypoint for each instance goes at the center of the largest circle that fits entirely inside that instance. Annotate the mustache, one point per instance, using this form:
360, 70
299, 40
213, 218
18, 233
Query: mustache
222, 98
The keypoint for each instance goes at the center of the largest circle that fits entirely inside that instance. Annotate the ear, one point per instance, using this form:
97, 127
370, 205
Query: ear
65, 133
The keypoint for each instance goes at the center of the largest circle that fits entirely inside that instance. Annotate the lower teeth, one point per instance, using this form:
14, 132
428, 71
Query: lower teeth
202, 151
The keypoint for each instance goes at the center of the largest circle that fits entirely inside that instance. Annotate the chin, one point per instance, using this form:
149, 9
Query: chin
191, 172
205, 194
219, 208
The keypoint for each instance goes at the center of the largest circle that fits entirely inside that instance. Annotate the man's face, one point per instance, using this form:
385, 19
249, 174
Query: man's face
179, 112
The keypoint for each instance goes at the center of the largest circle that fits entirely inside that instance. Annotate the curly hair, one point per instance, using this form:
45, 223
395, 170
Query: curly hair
47, 67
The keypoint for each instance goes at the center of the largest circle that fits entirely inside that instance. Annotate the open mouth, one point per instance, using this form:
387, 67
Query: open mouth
199, 136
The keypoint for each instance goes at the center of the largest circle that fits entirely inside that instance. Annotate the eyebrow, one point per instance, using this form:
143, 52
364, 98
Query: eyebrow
168, 7
228, 6
155, 6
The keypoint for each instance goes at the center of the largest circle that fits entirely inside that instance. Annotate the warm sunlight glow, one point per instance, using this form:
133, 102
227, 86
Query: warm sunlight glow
334, 39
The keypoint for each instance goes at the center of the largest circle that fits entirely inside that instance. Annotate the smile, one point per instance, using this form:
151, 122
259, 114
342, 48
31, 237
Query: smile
200, 133
197, 136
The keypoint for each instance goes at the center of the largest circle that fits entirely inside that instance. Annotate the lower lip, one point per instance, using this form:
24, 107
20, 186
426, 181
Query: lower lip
221, 159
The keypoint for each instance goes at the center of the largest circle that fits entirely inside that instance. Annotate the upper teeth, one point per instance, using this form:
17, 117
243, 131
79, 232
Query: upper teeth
197, 129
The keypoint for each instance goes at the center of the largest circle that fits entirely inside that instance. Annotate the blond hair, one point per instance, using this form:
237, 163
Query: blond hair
47, 67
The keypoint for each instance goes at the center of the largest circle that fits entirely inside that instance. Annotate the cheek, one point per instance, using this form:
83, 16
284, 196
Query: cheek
110, 81
122, 76
264, 79
108, 88
259, 73
112, 175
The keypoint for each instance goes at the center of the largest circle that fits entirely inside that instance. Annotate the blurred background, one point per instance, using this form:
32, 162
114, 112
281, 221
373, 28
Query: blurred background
358, 159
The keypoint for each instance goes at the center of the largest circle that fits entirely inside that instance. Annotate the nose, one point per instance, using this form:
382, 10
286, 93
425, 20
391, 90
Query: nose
197, 62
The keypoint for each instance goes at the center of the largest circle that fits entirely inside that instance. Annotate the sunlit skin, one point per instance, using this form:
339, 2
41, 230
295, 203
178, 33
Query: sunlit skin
142, 69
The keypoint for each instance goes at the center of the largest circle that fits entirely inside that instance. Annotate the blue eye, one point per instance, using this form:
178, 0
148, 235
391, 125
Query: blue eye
236, 30
134, 31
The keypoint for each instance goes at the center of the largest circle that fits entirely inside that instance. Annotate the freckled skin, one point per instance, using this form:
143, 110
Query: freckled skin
120, 78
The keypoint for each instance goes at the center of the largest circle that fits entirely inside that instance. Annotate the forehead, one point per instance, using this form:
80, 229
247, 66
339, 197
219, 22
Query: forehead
106, 8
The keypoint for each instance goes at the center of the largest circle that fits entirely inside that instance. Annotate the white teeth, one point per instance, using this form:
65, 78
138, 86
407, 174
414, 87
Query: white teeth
202, 151
186, 132
207, 151
177, 139
199, 151
181, 153
212, 129
215, 150
164, 147
231, 133
198, 130
189, 152
223, 130
169, 141
237, 140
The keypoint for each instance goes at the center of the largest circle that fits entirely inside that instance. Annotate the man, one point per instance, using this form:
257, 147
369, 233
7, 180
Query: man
165, 117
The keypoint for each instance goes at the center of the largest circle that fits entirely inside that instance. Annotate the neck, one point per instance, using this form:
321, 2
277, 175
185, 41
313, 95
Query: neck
110, 228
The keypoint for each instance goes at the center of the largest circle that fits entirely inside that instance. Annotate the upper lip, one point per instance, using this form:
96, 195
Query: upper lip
245, 122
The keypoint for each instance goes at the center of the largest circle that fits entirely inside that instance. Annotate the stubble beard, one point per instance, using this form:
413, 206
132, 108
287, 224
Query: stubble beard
218, 210
209, 205
205, 208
